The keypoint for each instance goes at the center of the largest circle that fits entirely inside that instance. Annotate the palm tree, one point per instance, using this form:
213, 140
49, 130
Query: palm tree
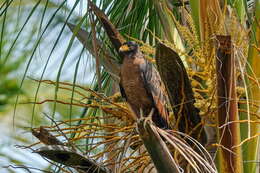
17, 44
215, 56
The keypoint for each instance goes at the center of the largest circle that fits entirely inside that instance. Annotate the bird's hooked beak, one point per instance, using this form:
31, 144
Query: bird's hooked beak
124, 48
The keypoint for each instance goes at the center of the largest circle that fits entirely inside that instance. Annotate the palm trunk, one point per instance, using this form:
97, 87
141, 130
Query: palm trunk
230, 157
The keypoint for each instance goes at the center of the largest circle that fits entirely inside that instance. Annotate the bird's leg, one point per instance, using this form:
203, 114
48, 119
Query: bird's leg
141, 113
145, 119
149, 117
140, 118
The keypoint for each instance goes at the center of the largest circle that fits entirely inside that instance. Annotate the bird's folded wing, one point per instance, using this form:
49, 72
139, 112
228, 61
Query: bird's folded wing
155, 88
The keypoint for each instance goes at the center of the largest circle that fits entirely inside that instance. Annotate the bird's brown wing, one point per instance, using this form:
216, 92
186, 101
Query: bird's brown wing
156, 89
176, 80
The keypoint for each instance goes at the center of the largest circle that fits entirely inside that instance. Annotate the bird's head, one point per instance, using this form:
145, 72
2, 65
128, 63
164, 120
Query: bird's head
128, 48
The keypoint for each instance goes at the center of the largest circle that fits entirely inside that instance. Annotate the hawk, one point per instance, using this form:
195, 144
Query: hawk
141, 85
